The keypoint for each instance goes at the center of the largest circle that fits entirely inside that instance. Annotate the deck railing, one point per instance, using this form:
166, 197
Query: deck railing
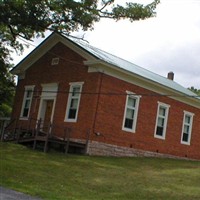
4, 121
17, 129
36, 130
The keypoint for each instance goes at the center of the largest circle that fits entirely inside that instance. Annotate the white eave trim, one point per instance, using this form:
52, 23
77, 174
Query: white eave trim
44, 47
120, 73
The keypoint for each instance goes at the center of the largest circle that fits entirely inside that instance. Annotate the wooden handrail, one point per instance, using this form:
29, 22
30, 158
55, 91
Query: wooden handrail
11, 122
23, 133
37, 132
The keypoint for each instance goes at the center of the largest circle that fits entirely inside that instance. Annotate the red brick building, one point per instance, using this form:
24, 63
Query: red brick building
128, 110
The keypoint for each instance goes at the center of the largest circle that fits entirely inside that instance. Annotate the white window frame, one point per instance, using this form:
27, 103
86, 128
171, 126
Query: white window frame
70, 98
191, 115
166, 107
137, 98
25, 99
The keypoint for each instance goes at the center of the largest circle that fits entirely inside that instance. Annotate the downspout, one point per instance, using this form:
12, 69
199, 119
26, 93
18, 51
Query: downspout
98, 98
92, 130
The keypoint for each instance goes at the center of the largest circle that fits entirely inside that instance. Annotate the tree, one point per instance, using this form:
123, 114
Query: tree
196, 91
27, 19
7, 87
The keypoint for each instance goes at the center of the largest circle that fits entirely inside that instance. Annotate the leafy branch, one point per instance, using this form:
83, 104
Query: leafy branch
29, 19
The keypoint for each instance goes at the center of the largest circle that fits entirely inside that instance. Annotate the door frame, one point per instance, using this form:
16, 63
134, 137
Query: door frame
49, 92
42, 108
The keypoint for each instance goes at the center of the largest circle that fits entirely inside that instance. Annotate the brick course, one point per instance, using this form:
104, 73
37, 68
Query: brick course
103, 113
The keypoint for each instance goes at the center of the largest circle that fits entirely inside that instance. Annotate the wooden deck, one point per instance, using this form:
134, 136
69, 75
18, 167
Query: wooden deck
46, 140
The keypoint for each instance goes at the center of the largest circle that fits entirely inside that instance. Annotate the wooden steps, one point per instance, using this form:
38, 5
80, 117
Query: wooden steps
46, 140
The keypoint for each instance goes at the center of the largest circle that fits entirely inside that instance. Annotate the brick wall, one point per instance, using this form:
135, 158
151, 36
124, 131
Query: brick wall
110, 118
69, 69
103, 114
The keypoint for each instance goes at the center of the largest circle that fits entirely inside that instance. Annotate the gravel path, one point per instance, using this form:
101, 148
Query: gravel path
7, 194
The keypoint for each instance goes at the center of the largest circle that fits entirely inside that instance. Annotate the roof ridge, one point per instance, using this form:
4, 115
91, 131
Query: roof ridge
141, 71
128, 61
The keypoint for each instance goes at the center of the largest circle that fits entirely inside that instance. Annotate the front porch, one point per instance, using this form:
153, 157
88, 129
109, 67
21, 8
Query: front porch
39, 135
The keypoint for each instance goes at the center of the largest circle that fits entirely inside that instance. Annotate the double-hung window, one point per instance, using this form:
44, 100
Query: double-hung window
161, 120
28, 95
187, 128
130, 112
73, 102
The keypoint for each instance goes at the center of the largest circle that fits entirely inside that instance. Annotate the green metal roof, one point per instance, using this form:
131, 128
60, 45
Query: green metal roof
132, 68
118, 63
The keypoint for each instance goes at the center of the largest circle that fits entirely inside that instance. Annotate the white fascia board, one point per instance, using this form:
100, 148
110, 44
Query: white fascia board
44, 47
37, 53
106, 68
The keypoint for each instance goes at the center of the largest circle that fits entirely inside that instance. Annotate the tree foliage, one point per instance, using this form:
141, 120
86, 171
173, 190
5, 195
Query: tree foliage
26, 19
196, 91
7, 86
31, 18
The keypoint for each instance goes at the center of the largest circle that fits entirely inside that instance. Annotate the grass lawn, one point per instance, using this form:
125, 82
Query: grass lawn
58, 176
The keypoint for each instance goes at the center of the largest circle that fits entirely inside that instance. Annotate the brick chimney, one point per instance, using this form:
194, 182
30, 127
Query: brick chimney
170, 76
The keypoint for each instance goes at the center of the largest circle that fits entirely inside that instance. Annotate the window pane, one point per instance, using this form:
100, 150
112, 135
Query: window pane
159, 131
72, 114
130, 113
185, 137
29, 93
131, 102
74, 103
27, 104
76, 91
128, 123
25, 112
162, 111
26, 108
187, 119
161, 122
186, 129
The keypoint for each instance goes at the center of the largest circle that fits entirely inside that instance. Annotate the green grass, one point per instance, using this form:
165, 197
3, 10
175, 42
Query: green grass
58, 176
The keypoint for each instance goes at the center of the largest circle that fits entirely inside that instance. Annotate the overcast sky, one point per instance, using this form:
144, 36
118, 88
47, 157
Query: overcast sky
168, 42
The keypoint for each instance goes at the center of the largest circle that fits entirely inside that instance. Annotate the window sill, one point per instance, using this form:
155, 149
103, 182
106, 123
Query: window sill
70, 120
185, 143
128, 130
23, 118
159, 137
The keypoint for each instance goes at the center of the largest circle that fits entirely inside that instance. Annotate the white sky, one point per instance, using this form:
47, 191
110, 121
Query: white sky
168, 42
